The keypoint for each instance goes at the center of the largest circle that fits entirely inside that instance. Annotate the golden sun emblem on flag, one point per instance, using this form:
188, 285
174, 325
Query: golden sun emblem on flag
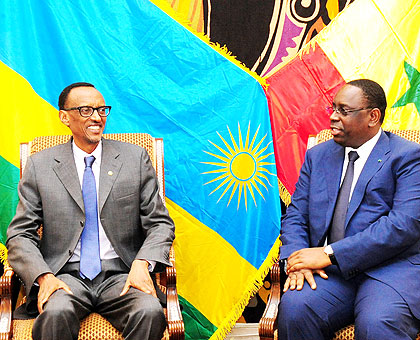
241, 165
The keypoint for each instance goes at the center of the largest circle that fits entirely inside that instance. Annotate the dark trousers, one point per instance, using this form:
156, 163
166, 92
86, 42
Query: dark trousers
136, 314
375, 308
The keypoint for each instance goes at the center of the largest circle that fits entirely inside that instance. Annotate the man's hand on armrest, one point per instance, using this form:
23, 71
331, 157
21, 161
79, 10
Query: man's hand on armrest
308, 258
139, 278
296, 279
48, 284
303, 264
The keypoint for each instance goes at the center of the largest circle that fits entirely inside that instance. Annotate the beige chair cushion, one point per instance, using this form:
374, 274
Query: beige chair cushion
93, 327
347, 333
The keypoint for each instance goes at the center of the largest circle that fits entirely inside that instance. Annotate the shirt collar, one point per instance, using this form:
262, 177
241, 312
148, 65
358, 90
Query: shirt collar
365, 149
79, 154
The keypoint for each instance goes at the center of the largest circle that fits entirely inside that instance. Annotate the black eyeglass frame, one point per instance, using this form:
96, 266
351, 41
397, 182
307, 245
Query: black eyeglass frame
344, 112
79, 108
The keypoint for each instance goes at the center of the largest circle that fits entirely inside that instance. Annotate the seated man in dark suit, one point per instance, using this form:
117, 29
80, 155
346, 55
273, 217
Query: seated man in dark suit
351, 235
104, 228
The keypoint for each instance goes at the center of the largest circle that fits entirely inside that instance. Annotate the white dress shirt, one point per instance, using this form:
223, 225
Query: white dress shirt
364, 152
106, 250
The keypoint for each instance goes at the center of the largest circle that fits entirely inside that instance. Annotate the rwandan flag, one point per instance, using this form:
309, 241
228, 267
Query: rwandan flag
371, 39
159, 78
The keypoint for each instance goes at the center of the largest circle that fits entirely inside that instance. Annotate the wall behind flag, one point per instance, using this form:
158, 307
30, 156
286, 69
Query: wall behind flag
261, 34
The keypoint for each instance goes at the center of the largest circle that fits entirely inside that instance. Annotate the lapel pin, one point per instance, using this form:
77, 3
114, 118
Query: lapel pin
110, 173
379, 160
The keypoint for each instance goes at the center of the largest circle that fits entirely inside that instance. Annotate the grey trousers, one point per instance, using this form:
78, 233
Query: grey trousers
136, 314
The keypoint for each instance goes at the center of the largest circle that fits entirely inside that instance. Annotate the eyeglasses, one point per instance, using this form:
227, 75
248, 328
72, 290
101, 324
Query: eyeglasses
87, 111
343, 112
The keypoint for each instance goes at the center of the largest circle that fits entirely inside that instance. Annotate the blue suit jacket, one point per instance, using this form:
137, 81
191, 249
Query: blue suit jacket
383, 220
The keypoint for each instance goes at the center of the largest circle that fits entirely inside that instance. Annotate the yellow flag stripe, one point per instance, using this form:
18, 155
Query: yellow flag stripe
23, 115
195, 244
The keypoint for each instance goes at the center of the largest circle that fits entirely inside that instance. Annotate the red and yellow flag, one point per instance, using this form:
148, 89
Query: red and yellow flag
371, 39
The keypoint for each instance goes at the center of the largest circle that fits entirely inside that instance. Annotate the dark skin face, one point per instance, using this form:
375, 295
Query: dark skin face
355, 128
87, 131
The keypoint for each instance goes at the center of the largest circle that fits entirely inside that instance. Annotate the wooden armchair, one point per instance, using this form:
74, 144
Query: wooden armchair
93, 327
268, 324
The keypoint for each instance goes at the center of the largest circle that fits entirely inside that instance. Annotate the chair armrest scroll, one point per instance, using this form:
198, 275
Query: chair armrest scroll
175, 322
268, 322
174, 319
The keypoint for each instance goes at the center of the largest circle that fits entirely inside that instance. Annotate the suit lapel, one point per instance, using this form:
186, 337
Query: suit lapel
110, 168
65, 169
377, 158
333, 167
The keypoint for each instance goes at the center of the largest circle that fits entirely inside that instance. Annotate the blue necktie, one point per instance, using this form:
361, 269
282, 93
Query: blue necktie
90, 260
337, 230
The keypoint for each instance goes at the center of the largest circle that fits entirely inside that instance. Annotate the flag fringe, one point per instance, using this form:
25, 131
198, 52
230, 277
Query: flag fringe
223, 50
3, 253
284, 194
255, 285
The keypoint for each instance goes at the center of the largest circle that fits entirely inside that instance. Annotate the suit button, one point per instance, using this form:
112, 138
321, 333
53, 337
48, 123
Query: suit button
70, 253
82, 223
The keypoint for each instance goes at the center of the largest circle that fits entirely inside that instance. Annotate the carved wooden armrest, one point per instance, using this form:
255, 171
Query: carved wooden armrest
174, 316
6, 302
268, 322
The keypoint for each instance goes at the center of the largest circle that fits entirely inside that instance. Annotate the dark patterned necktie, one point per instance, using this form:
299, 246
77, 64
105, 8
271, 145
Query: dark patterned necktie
90, 260
337, 229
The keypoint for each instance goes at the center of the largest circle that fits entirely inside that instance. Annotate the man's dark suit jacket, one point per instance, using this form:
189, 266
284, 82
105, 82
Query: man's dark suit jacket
382, 236
132, 214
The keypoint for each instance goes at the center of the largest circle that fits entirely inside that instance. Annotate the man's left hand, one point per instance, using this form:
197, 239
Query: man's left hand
139, 278
308, 258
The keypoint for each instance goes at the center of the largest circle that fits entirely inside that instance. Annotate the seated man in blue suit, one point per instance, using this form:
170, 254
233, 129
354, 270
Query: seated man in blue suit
351, 235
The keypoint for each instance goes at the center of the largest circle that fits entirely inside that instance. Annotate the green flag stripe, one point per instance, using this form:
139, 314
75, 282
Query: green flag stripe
197, 326
9, 178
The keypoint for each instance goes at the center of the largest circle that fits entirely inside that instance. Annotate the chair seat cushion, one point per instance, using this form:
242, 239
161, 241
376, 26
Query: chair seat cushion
93, 327
347, 333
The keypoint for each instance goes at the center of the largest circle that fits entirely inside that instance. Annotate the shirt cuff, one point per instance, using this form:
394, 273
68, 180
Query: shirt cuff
152, 265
